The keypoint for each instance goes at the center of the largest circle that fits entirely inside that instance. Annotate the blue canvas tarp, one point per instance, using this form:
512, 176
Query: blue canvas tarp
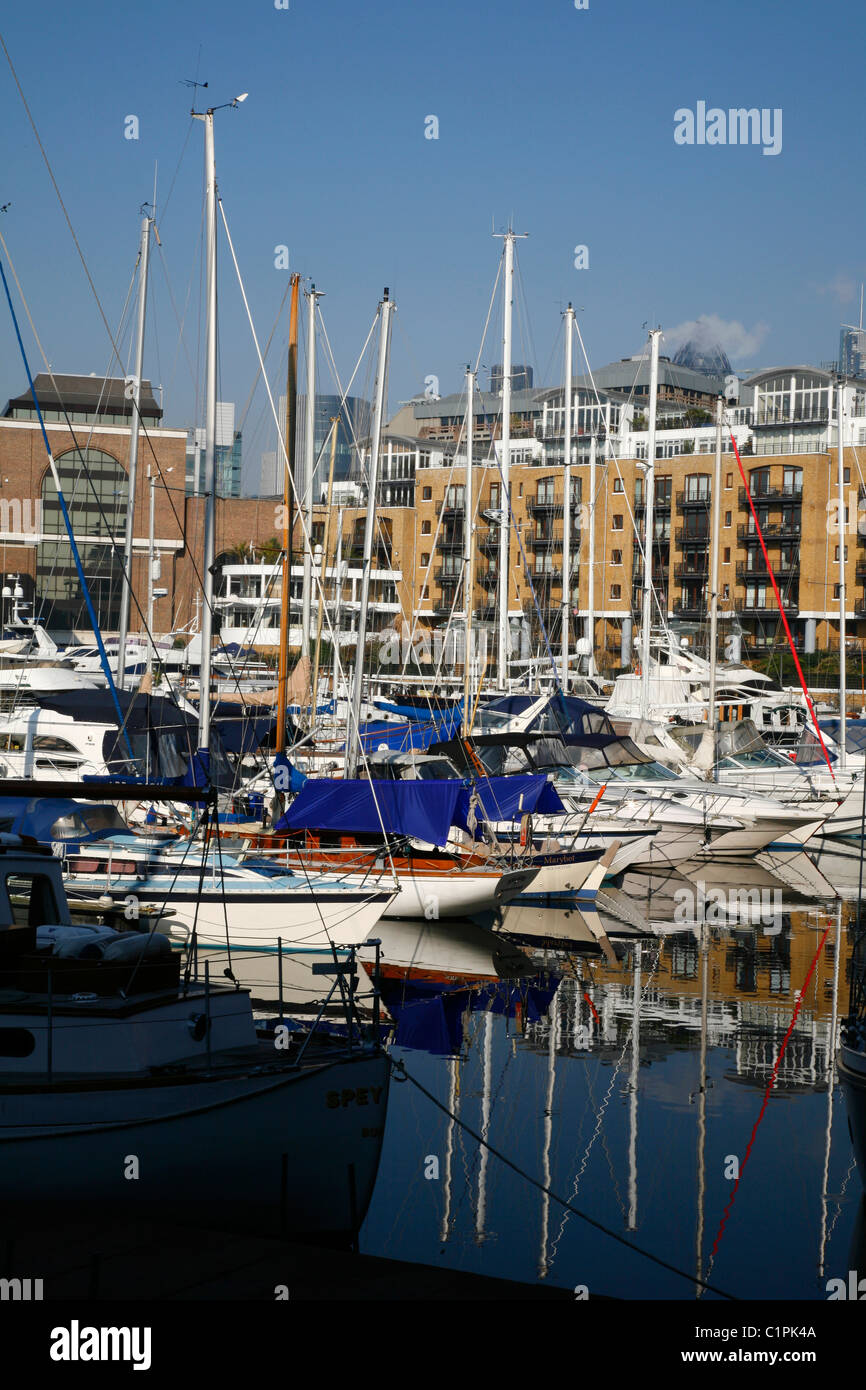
401, 738
509, 798
424, 810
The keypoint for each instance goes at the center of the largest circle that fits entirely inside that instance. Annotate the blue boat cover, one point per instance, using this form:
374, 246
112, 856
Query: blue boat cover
425, 810
421, 809
509, 798
401, 738
41, 817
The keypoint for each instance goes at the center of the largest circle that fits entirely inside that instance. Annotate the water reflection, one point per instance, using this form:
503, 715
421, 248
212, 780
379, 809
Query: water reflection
625, 1069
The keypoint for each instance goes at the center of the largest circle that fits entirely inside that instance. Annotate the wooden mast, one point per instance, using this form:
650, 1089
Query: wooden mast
288, 515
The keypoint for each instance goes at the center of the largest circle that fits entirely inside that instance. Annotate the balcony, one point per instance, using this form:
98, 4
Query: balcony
545, 542
486, 613
860, 572
488, 539
686, 502
779, 531
760, 575
792, 492
544, 506
860, 607
450, 509
448, 544
690, 607
489, 579
767, 605
446, 577
683, 537
686, 571
540, 577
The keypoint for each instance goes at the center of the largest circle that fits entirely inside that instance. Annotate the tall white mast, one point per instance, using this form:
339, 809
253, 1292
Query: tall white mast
646, 621
715, 538
126, 587
590, 578
353, 740
843, 674
566, 509
210, 437
505, 530
309, 464
468, 552
210, 423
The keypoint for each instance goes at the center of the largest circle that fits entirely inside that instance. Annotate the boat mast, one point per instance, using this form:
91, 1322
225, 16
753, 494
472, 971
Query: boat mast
288, 517
210, 435
714, 570
843, 674
135, 397
353, 740
566, 510
590, 579
320, 602
646, 620
505, 529
468, 568
309, 465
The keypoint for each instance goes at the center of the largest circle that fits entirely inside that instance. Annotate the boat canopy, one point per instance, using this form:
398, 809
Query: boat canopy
423, 810
58, 818
163, 737
562, 714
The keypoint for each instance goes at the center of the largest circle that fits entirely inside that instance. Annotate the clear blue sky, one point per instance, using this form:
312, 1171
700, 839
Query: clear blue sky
560, 119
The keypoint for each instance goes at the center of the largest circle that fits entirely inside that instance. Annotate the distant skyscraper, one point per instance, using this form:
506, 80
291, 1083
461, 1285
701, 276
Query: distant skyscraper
228, 444
852, 350
354, 424
521, 378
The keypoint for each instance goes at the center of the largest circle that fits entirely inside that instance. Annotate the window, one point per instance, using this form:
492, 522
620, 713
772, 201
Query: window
544, 491
494, 495
726, 559
617, 485
617, 521
425, 528
792, 482
727, 518
616, 591
846, 475
729, 480
664, 488
726, 591
838, 556
616, 557
425, 559
759, 482
97, 488
837, 590
426, 494
698, 487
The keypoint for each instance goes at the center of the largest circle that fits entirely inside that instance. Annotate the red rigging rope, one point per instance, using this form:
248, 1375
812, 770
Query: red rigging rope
802, 678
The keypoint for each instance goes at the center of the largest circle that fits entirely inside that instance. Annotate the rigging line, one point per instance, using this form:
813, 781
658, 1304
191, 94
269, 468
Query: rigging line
321, 593
85, 475
613, 456
399, 1068
68, 522
143, 427
771, 1083
180, 321
67, 218
782, 614
249, 399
